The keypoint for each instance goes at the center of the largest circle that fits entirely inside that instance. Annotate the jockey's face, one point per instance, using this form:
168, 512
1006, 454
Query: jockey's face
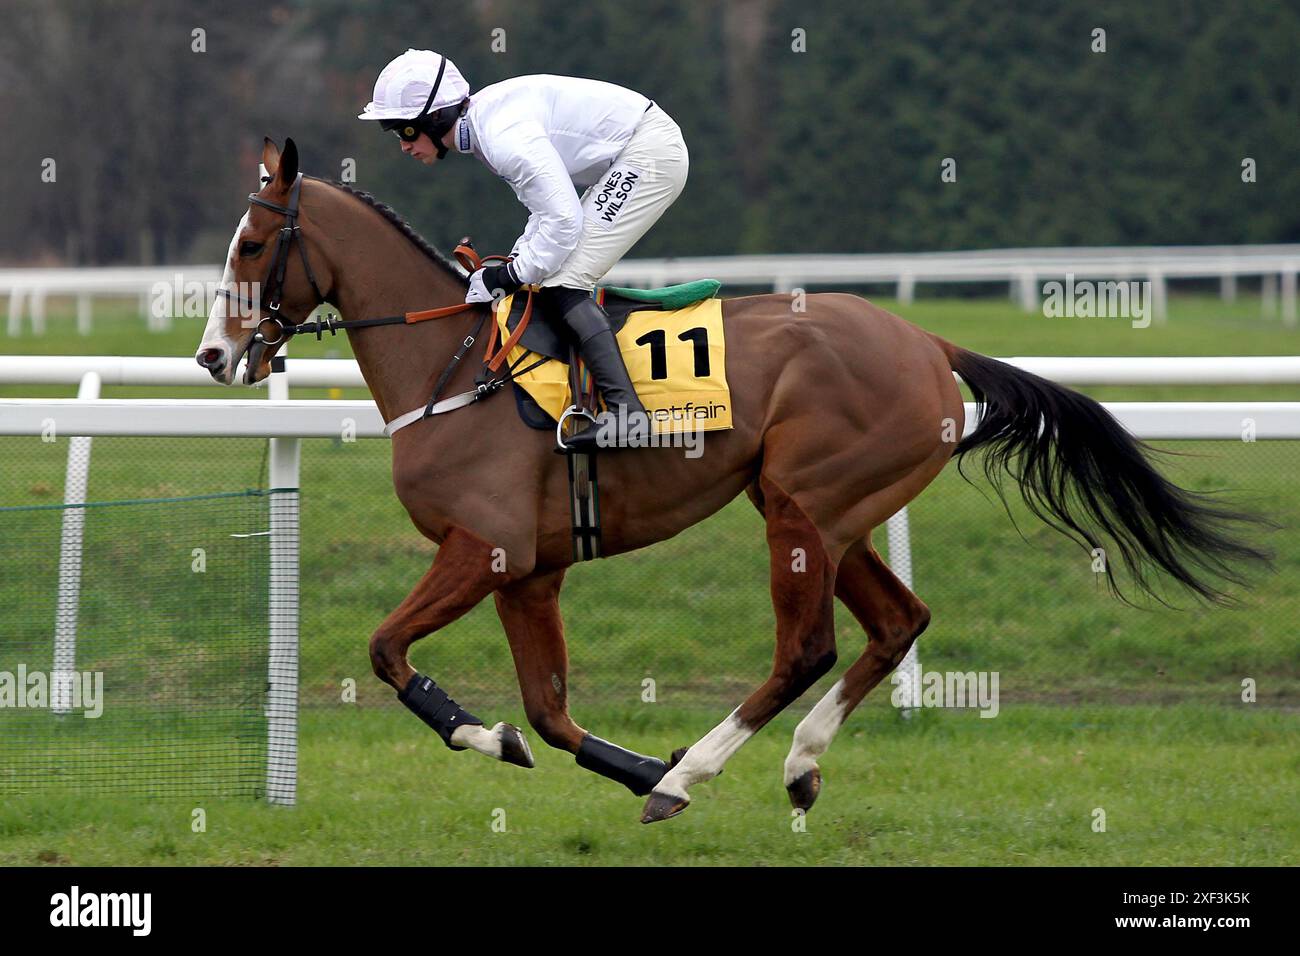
423, 148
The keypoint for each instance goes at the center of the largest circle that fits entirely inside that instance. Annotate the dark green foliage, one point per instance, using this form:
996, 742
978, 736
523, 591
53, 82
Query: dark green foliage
835, 149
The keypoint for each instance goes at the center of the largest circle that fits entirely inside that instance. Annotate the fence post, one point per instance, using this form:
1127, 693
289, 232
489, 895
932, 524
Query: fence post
83, 314
1288, 295
1268, 295
38, 312
906, 288
1228, 287
16, 296
1027, 286
77, 476
282, 605
1159, 297
907, 676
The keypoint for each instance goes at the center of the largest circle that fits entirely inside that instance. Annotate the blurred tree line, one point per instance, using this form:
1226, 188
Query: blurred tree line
813, 126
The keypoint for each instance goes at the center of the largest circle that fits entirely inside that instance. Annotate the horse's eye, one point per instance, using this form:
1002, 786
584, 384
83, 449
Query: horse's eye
250, 248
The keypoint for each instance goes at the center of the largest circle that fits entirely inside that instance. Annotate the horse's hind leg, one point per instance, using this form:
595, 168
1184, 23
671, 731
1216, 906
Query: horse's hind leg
803, 585
893, 618
530, 612
462, 575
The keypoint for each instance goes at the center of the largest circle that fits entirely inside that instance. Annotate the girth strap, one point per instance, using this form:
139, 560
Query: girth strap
584, 487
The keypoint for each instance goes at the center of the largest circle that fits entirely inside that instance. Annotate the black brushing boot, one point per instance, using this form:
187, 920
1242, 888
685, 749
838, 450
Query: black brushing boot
599, 350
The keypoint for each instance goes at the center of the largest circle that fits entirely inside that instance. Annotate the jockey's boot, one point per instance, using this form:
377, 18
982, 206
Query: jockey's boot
596, 343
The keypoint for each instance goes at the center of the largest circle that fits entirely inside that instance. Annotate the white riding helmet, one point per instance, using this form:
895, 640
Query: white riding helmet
403, 88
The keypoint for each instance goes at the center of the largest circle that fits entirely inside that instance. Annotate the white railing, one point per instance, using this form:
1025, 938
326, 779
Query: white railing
270, 418
1023, 269
345, 373
28, 289
285, 422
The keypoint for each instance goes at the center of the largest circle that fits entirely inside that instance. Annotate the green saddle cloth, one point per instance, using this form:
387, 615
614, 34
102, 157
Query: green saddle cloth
673, 296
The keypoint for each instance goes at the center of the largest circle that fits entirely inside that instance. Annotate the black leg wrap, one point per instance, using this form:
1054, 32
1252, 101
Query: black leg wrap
639, 774
431, 704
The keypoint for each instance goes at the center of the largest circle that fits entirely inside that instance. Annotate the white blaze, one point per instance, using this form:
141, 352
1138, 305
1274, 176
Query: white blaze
214, 334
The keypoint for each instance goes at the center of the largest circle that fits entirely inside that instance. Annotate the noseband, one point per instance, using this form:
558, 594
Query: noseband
273, 285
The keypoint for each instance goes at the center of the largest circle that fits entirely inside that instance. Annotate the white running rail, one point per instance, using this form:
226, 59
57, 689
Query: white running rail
192, 286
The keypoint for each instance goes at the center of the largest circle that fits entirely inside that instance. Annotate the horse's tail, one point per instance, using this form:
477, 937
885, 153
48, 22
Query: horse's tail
1081, 472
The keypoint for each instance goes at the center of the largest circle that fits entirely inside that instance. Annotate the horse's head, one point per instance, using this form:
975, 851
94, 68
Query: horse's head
272, 279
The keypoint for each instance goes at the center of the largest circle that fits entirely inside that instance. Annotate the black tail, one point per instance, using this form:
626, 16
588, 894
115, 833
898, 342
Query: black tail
1081, 472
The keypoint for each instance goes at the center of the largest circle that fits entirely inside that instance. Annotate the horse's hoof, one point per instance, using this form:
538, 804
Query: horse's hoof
662, 805
514, 746
804, 789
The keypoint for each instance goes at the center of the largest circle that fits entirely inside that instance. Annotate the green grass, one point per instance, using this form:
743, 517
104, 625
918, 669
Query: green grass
1135, 711
943, 789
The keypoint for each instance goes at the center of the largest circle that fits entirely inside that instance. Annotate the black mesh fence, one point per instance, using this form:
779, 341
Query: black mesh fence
133, 653
194, 662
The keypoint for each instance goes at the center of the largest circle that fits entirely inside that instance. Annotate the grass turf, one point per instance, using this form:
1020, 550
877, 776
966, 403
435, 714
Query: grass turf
945, 788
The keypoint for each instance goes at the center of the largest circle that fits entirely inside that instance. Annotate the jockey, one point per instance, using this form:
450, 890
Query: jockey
546, 135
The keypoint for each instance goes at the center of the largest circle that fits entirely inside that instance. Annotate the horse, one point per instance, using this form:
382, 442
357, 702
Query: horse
842, 414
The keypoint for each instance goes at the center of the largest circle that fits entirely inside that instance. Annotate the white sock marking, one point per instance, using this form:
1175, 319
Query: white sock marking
478, 737
815, 732
704, 760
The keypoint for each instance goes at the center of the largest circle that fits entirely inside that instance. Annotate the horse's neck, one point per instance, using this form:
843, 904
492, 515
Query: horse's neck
401, 363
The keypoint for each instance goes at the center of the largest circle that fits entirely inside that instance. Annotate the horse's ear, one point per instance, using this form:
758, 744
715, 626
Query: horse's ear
270, 155
288, 168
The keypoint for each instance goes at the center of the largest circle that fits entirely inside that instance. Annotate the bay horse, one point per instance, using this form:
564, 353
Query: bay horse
842, 414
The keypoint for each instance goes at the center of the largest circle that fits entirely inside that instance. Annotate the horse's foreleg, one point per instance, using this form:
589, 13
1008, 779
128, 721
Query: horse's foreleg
462, 574
530, 612
893, 618
803, 585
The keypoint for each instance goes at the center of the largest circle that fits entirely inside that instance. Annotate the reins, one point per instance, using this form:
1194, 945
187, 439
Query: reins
493, 357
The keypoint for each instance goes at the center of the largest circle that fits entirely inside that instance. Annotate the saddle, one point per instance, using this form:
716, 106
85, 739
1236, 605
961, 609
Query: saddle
551, 337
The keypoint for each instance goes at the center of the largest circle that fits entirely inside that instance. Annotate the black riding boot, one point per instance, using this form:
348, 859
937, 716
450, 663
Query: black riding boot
599, 350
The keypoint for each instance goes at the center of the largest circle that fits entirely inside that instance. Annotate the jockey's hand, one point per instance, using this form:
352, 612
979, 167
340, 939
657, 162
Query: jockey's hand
490, 281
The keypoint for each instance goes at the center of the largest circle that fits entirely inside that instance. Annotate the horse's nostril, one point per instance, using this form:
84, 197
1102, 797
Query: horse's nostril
209, 358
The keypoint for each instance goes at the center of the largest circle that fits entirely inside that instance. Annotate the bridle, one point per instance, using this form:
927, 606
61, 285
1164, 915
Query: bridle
273, 285
291, 233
